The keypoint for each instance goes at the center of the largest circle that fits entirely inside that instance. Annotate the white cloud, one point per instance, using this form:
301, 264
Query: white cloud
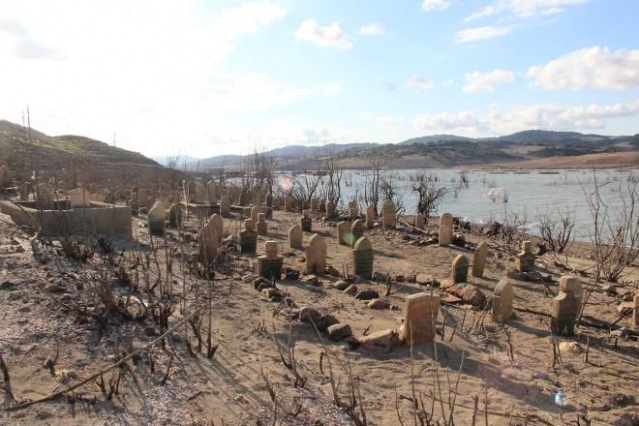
419, 83
329, 36
524, 8
517, 118
480, 33
429, 5
372, 29
594, 67
486, 82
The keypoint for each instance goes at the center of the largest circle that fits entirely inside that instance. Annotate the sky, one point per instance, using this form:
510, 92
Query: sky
206, 78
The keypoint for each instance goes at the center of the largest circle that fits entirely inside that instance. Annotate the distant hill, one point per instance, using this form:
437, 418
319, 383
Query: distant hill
76, 158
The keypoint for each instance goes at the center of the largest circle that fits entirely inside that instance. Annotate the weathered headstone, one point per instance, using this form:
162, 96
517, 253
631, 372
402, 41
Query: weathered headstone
330, 209
255, 211
306, 222
45, 196
218, 223
445, 229
502, 301
155, 219
208, 244
175, 216
211, 189
363, 258
225, 205
79, 197
566, 306
314, 204
357, 231
295, 237
352, 210
479, 259
459, 272
370, 216
316, 255
191, 189
321, 206
526, 258
270, 264
142, 195
288, 203
420, 221
261, 225
344, 236
5, 179
248, 237
420, 318
257, 196
388, 215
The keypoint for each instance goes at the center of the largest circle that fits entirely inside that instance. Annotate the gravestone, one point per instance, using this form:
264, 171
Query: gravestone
191, 189
388, 215
225, 205
330, 209
150, 202
269, 265
525, 258
79, 197
306, 222
248, 238
445, 229
295, 237
201, 193
255, 211
479, 259
502, 308
363, 258
141, 194
97, 196
45, 196
218, 223
370, 216
420, 221
344, 236
155, 219
5, 179
314, 204
352, 210
135, 205
211, 189
316, 255
459, 272
288, 203
321, 206
175, 216
257, 197
261, 226
357, 231
566, 306
208, 244
420, 318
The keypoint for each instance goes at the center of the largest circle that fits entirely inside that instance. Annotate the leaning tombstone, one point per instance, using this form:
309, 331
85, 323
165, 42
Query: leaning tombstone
344, 236
269, 265
445, 229
370, 216
460, 269
316, 255
502, 302
420, 318
357, 231
479, 260
388, 215
566, 306
295, 237
363, 258
155, 219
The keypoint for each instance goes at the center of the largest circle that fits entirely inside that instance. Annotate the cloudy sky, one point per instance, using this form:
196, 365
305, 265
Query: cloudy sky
203, 78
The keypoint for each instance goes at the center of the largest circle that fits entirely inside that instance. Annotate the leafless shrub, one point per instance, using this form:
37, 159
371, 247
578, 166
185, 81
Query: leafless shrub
556, 229
430, 192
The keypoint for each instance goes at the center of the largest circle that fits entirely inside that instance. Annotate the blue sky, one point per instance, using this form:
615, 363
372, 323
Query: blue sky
203, 78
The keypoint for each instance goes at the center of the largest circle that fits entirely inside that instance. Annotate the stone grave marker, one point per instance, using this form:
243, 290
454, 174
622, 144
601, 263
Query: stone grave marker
191, 189
420, 318
261, 225
344, 236
388, 215
314, 204
269, 265
255, 211
269, 200
79, 197
175, 216
363, 258
288, 203
306, 222
211, 189
420, 221
248, 237
225, 205
208, 244
459, 272
502, 301
479, 259
257, 197
445, 229
566, 306
357, 231
218, 223
316, 255
295, 237
352, 210
321, 206
5, 179
155, 219
330, 209
526, 258
370, 216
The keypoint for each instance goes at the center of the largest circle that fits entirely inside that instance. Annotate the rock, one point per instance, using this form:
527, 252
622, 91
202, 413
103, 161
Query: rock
399, 278
610, 289
378, 304
261, 283
341, 285
273, 294
384, 340
625, 308
56, 287
452, 299
351, 290
425, 279
468, 293
337, 332
309, 315
569, 348
291, 274
248, 278
459, 240
7, 285
628, 296
367, 295
326, 321
312, 280
331, 270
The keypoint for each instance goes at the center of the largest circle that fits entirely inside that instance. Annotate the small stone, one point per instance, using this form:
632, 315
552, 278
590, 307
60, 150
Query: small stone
367, 295
351, 290
331, 270
399, 278
309, 315
273, 294
625, 308
424, 279
261, 283
326, 321
312, 280
569, 348
384, 340
341, 285
468, 293
610, 289
378, 304
7, 285
337, 332
56, 287
248, 278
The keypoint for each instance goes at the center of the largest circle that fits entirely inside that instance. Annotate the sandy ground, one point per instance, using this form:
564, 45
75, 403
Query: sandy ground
471, 374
